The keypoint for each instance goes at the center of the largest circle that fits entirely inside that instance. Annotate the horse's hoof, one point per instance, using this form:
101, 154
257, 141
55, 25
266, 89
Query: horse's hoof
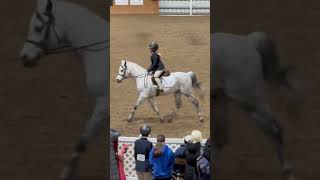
130, 119
288, 173
201, 119
66, 173
290, 177
69, 169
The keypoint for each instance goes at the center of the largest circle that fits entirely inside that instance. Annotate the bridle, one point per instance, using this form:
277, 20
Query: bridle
124, 70
50, 25
47, 25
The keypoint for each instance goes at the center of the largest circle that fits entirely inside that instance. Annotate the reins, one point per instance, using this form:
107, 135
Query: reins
69, 48
145, 75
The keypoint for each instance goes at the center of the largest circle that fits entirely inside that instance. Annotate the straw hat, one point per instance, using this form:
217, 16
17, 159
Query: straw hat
196, 136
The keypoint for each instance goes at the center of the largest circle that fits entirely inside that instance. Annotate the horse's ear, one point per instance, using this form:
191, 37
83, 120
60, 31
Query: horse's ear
45, 6
125, 63
49, 6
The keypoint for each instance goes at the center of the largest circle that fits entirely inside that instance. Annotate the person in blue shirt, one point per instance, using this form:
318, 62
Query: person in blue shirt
161, 159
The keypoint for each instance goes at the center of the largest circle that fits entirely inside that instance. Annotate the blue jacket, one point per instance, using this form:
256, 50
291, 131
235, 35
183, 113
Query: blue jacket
162, 166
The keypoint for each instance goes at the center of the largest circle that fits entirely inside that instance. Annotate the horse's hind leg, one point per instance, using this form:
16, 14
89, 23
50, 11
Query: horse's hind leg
195, 103
155, 108
271, 128
177, 98
94, 126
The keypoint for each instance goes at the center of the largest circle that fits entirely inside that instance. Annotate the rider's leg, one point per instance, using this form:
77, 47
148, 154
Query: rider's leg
156, 76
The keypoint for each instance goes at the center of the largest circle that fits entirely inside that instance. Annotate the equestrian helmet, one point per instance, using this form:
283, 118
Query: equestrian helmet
154, 46
145, 130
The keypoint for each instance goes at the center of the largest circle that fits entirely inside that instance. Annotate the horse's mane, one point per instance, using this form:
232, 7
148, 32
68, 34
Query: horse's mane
135, 64
79, 9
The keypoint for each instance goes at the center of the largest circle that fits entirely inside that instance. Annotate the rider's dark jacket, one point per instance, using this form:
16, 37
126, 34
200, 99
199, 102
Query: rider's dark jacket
156, 63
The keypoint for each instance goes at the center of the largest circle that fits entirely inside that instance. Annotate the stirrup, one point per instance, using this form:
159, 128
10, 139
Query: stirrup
158, 92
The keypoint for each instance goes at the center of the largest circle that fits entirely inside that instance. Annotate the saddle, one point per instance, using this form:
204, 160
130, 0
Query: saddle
165, 73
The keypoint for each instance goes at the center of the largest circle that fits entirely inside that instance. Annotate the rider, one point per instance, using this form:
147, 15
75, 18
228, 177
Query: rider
157, 68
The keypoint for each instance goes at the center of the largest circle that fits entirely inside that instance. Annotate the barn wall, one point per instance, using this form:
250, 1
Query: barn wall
148, 7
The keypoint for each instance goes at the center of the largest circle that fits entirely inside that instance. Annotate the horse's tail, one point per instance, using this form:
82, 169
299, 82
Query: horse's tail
196, 84
269, 58
272, 71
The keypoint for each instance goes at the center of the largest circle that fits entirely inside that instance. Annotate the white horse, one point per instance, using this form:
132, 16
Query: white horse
241, 67
61, 26
178, 83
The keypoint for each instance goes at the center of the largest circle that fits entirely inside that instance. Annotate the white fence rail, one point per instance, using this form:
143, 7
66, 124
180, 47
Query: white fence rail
129, 161
184, 7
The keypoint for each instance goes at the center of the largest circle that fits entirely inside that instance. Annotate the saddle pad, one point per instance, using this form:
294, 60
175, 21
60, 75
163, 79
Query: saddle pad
168, 81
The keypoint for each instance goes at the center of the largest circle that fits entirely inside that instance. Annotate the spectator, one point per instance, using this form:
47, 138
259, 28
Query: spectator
203, 162
162, 159
142, 149
193, 152
180, 157
114, 171
206, 149
116, 166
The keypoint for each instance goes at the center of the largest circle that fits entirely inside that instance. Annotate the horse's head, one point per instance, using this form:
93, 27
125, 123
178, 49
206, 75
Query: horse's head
123, 71
42, 33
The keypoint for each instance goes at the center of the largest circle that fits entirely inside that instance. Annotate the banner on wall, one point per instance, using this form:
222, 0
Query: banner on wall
121, 2
136, 2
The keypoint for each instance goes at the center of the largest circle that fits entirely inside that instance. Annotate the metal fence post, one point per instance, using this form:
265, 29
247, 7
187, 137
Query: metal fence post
190, 8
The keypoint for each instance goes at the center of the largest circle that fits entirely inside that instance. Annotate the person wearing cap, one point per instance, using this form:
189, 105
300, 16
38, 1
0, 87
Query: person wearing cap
142, 148
156, 68
161, 159
193, 151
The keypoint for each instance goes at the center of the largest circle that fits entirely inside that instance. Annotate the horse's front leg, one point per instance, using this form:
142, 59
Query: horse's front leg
155, 108
93, 128
140, 100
